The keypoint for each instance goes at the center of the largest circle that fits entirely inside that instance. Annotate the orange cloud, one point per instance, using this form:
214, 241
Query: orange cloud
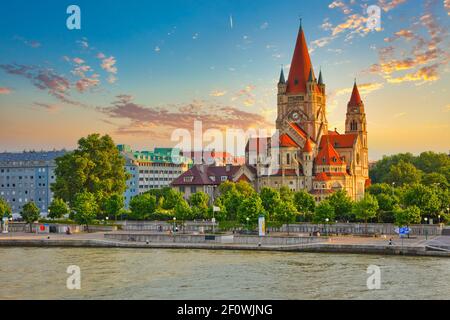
4, 90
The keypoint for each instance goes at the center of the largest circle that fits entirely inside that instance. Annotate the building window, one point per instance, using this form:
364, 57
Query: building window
193, 189
188, 178
223, 178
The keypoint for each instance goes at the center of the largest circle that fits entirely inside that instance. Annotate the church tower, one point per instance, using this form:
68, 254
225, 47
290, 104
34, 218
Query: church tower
356, 123
301, 99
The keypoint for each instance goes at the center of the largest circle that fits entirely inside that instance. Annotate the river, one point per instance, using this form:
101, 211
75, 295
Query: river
40, 273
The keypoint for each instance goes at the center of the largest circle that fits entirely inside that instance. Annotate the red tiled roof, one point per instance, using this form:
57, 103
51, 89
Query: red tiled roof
327, 154
300, 66
322, 176
286, 141
367, 183
340, 140
356, 98
307, 147
287, 172
299, 130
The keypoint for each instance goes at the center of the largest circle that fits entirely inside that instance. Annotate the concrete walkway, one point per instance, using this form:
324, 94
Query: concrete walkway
434, 246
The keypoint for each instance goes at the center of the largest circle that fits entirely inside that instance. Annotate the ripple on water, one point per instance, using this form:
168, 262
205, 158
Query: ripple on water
40, 273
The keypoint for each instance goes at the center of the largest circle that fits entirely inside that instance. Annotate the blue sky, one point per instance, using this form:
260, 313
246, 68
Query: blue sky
165, 56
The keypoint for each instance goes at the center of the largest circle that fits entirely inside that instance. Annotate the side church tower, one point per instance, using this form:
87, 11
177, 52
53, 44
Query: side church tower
301, 99
356, 123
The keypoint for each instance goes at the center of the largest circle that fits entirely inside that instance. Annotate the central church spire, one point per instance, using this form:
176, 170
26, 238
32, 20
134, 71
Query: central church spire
300, 66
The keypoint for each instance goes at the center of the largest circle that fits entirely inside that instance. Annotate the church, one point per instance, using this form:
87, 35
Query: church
304, 153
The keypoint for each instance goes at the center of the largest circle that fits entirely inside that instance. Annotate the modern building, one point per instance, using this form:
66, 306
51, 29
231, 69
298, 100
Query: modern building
304, 153
214, 158
152, 169
26, 177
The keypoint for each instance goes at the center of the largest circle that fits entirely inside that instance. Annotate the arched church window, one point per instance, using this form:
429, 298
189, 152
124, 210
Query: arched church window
288, 158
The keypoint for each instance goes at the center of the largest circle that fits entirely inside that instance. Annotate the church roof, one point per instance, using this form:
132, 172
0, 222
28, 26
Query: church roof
327, 153
341, 140
307, 147
355, 98
287, 141
301, 66
322, 176
299, 130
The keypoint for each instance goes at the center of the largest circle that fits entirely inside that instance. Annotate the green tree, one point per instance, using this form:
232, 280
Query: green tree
366, 208
249, 210
5, 209
388, 198
85, 208
286, 194
30, 213
199, 202
342, 205
270, 200
113, 205
245, 188
142, 206
182, 212
434, 178
406, 217
379, 172
171, 198
231, 199
404, 173
324, 210
96, 166
305, 204
58, 208
430, 162
285, 212
423, 197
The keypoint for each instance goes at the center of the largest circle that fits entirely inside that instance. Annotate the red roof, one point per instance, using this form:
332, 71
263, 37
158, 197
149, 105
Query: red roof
307, 147
299, 130
300, 66
342, 140
322, 176
367, 183
356, 98
286, 141
327, 154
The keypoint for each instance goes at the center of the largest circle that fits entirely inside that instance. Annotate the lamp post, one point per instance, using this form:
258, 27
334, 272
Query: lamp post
426, 230
174, 221
326, 229
248, 219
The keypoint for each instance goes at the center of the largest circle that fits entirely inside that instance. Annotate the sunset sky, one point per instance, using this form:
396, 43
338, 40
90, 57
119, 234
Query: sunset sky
137, 70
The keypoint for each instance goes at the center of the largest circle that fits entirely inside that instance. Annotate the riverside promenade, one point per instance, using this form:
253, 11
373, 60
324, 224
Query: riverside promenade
437, 246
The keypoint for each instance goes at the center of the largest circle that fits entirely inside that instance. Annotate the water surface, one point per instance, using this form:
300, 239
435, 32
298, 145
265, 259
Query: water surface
40, 273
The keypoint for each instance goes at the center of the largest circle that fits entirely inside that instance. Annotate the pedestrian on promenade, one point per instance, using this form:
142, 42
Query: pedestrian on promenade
390, 241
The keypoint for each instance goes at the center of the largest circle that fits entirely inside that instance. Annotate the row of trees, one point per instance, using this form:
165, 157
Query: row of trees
428, 168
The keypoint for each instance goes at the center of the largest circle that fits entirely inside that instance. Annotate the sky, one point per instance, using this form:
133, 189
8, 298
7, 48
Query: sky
138, 70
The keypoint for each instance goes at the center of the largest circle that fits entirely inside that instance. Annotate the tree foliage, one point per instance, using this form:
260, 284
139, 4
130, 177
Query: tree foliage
250, 208
58, 208
30, 213
270, 200
142, 206
406, 217
5, 209
324, 210
342, 205
366, 208
113, 205
96, 166
85, 208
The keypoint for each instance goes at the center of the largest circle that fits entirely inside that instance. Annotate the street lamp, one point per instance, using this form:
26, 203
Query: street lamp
326, 229
248, 219
174, 221
426, 230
